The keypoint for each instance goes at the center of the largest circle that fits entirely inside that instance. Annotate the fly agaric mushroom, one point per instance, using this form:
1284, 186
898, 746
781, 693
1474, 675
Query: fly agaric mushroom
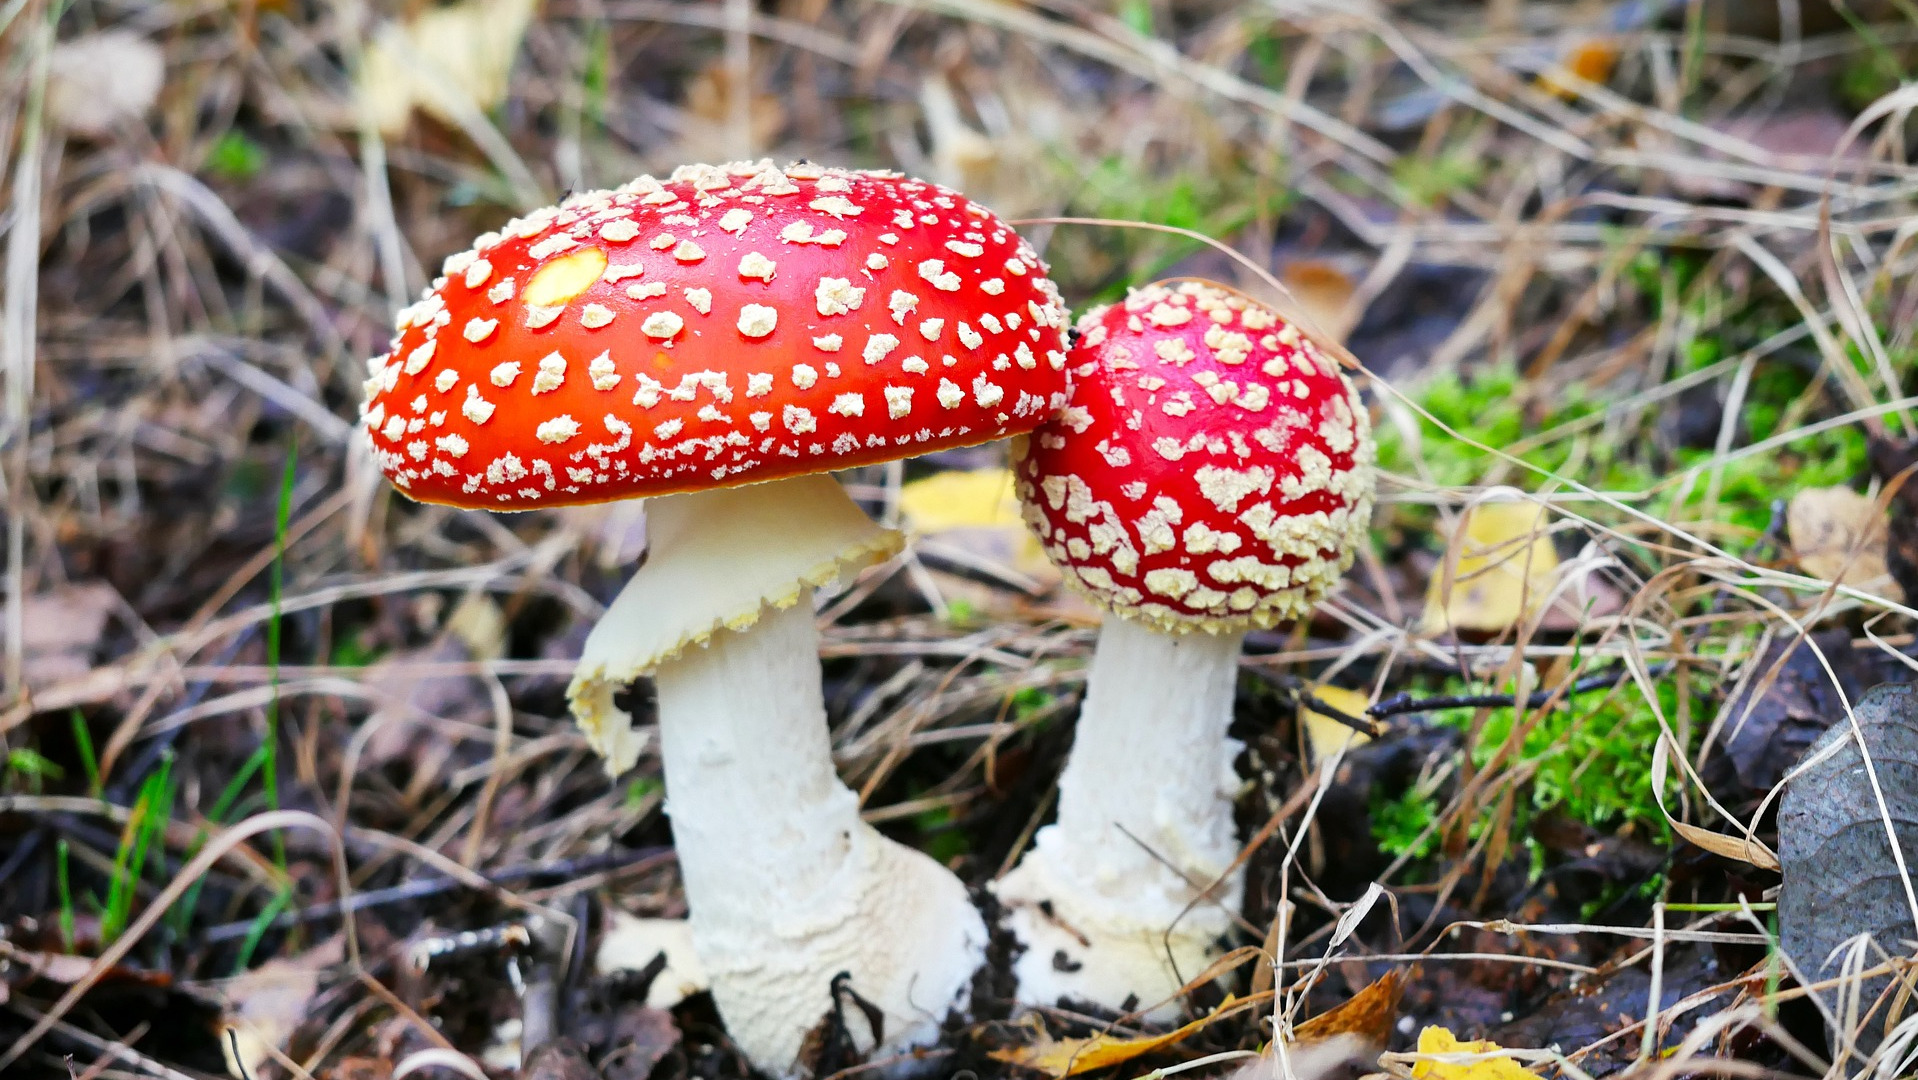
738, 325
1211, 474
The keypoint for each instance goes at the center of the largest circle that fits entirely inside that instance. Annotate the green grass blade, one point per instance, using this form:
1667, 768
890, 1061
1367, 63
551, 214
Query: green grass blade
89, 760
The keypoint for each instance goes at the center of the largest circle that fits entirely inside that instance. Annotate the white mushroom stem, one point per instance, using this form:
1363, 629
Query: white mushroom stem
1144, 826
786, 885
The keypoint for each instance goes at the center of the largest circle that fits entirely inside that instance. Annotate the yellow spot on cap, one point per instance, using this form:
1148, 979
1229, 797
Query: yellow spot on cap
565, 277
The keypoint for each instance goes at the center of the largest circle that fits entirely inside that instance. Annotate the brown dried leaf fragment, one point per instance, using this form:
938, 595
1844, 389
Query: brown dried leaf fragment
1840, 536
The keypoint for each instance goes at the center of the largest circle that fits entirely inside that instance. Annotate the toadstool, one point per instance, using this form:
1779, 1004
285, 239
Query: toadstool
738, 325
1211, 474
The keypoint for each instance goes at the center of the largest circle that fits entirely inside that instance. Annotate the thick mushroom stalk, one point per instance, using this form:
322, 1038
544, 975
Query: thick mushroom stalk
786, 885
1211, 474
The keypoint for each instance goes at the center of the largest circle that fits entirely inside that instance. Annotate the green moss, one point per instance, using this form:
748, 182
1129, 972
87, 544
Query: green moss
27, 770
1621, 453
1590, 762
1400, 820
941, 841
1431, 180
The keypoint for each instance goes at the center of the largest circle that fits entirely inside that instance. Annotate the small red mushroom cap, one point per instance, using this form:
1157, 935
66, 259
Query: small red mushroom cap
1212, 469
729, 325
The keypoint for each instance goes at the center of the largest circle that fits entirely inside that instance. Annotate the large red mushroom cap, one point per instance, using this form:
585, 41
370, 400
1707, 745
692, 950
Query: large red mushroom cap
1212, 469
729, 325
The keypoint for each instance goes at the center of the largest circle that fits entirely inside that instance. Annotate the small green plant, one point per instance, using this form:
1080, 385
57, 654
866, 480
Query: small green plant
1029, 702
64, 883
1137, 15
1215, 201
1874, 72
353, 651
262, 922
638, 791
83, 745
595, 77
264, 761
142, 840
269, 766
28, 770
1576, 438
236, 157
1400, 822
1429, 181
961, 611
221, 812
942, 841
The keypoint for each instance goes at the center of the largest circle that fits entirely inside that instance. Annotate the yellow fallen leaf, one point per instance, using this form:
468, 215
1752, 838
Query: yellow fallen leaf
1325, 735
445, 60
1840, 535
976, 510
1591, 61
961, 498
1070, 1057
1438, 1040
1501, 568
480, 624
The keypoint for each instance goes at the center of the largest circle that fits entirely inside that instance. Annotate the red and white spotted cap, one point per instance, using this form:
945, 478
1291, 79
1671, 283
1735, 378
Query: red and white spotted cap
1213, 469
729, 325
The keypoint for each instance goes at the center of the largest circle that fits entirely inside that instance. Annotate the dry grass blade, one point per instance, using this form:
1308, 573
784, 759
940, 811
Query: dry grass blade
18, 322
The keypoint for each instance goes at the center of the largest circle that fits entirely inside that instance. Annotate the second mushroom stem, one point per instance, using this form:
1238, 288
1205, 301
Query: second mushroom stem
1104, 901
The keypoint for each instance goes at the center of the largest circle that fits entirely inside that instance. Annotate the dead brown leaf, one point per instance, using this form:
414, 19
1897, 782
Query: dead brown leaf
266, 1005
1325, 292
1368, 1014
361, 1068
1840, 535
709, 100
1895, 463
1591, 61
99, 81
63, 626
446, 61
